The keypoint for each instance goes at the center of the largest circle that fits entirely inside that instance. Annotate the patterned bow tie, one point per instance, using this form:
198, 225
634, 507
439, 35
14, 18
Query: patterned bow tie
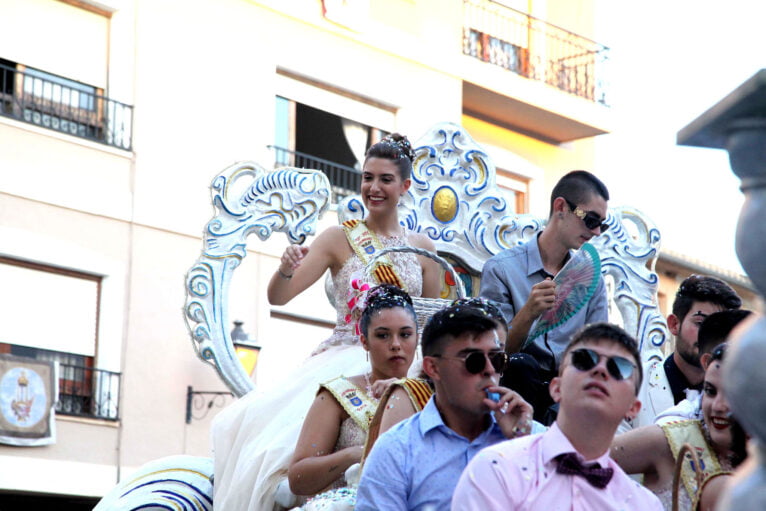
570, 464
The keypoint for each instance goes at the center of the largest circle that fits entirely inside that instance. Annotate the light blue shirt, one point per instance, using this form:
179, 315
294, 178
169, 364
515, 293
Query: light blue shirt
507, 279
416, 464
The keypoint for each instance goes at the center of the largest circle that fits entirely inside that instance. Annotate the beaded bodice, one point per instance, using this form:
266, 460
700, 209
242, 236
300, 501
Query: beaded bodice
406, 265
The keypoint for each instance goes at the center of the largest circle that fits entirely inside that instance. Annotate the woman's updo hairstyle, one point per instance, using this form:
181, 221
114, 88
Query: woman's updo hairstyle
385, 296
397, 148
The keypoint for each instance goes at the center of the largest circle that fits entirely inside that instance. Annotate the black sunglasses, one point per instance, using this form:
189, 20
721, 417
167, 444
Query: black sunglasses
591, 219
620, 368
477, 360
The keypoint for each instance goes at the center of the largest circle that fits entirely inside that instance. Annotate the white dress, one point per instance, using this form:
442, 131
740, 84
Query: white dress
254, 438
338, 496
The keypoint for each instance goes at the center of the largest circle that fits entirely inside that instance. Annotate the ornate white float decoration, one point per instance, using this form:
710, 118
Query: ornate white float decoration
454, 200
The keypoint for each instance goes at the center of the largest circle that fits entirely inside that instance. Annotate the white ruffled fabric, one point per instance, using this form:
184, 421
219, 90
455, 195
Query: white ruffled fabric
254, 438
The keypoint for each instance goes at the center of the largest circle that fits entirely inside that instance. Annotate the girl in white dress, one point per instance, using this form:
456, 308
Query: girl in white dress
717, 439
336, 427
254, 438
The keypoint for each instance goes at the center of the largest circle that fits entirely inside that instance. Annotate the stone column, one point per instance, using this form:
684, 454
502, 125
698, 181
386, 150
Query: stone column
737, 123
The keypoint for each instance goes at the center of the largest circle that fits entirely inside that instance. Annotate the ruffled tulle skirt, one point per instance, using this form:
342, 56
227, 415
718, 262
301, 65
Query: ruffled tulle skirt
254, 438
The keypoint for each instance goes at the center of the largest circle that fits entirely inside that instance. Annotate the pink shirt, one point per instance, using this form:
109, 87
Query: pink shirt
521, 474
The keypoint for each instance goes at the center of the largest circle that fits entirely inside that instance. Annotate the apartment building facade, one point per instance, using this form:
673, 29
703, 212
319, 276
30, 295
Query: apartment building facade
116, 115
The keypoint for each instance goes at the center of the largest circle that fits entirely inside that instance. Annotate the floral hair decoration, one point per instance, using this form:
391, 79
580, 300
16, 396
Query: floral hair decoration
357, 301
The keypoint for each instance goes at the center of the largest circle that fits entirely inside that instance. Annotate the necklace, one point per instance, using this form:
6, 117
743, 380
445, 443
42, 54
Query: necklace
368, 387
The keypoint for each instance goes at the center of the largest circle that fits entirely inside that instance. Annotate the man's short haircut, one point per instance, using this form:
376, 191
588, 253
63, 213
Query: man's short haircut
704, 288
577, 187
490, 307
715, 329
611, 333
452, 322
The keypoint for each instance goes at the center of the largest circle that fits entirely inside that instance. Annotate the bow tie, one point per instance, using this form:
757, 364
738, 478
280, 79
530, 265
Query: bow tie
570, 464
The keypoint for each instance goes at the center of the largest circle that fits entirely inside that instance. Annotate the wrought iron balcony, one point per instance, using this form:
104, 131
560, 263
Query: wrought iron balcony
535, 49
62, 105
344, 180
88, 392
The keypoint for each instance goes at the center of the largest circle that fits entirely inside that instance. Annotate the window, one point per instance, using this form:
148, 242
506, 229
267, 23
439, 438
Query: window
54, 89
58, 103
53, 315
498, 33
312, 138
517, 186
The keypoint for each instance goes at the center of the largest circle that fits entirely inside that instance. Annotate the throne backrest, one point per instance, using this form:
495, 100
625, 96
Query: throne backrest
455, 201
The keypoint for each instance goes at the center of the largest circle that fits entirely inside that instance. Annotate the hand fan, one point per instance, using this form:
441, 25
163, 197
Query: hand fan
575, 284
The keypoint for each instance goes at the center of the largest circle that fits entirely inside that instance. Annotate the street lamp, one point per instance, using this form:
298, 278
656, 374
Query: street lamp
247, 353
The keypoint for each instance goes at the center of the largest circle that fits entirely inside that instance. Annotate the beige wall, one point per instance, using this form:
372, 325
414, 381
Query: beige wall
53, 168
74, 41
575, 17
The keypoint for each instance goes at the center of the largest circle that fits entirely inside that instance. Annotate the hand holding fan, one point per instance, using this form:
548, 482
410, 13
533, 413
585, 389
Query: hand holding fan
575, 284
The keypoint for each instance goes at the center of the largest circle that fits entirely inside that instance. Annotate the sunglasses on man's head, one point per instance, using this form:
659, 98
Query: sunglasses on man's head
620, 368
475, 361
591, 219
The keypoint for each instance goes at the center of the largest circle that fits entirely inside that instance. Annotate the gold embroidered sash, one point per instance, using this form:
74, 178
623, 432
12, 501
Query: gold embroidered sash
690, 431
418, 390
366, 244
353, 399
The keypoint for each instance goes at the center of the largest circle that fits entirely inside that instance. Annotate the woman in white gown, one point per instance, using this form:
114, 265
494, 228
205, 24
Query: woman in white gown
254, 438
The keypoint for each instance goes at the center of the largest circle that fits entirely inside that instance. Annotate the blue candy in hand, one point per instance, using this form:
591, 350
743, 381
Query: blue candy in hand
494, 396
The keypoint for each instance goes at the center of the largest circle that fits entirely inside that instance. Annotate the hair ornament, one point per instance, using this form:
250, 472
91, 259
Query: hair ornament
364, 301
401, 143
357, 301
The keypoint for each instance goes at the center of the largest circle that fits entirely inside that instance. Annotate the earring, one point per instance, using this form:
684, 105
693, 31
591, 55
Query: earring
367, 355
561, 215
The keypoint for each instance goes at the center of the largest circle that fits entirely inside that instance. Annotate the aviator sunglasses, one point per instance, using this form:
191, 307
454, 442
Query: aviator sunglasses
589, 218
620, 368
476, 360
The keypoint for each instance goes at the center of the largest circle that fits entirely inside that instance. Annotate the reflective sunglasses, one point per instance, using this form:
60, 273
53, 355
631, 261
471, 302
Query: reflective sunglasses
477, 360
591, 219
620, 368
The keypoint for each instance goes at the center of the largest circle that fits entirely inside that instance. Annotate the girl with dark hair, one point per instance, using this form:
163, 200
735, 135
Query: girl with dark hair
254, 438
652, 450
335, 429
346, 249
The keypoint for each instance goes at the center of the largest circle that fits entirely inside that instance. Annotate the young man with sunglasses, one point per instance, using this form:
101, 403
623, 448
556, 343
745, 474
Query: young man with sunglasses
568, 466
415, 464
519, 280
